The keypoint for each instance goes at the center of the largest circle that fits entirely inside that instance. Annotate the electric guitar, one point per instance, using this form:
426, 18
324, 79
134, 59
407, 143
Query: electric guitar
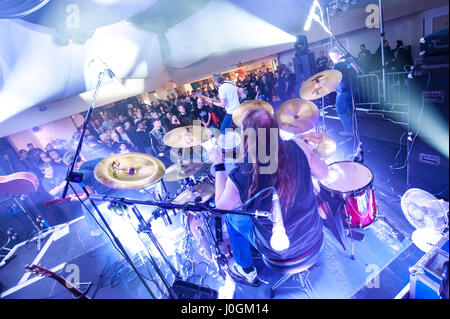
19, 183
205, 97
72, 197
40, 271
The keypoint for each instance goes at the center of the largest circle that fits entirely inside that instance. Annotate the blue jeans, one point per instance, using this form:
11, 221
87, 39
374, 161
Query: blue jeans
240, 232
344, 109
226, 123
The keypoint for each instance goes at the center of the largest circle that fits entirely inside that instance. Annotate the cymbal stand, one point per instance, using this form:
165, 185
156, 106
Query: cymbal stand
348, 221
323, 129
116, 240
146, 228
38, 230
219, 258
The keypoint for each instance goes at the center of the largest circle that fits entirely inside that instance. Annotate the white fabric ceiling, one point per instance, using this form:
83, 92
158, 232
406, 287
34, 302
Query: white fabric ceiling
145, 42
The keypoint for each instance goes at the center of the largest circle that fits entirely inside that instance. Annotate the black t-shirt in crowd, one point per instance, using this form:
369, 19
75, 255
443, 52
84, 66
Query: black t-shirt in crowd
202, 114
322, 63
302, 222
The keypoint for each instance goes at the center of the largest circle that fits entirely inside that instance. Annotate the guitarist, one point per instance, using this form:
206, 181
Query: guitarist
229, 99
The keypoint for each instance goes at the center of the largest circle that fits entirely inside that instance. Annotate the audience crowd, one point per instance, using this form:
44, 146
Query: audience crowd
132, 126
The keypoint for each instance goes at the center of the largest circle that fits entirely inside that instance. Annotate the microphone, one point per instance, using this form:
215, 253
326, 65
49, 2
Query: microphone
101, 67
279, 240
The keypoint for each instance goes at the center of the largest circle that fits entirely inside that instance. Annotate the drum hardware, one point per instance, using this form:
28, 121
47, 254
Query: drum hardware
190, 194
318, 86
146, 228
197, 207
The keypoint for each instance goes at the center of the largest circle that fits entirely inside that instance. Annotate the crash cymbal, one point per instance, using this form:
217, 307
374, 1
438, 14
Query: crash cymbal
186, 136
297, 115
250, 105
129, 171
320, 84
324, 146
180, 171
205, 191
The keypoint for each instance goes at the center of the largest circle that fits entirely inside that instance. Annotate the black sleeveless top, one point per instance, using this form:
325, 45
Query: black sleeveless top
302, 222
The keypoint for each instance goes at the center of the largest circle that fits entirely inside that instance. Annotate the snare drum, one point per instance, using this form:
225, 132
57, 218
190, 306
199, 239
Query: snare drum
350, 185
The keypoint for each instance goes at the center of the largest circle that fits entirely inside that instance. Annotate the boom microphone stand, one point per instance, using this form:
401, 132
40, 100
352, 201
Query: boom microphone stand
78, 178
351, 62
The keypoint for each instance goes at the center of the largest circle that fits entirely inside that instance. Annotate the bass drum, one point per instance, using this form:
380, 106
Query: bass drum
350, 185
201, 237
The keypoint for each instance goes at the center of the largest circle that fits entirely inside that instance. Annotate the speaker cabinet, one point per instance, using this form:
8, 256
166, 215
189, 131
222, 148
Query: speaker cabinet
428, 165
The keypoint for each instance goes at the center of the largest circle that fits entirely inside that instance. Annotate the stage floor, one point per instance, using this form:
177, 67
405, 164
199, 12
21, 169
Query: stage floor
380, 268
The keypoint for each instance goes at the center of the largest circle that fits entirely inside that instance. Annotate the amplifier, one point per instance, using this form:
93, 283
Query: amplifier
434, 44
188, 290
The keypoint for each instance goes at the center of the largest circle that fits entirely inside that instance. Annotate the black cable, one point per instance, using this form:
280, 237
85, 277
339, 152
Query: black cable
418, 126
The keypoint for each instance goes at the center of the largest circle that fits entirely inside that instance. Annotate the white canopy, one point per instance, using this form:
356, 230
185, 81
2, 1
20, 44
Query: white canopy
44, 55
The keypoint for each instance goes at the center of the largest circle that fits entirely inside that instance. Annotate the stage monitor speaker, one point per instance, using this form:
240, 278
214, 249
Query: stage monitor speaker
304, 67
428, 167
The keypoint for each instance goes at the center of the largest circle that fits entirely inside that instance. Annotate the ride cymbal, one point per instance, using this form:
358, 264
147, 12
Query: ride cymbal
297, 115
186, 136
250, 105
129, 171
320, 84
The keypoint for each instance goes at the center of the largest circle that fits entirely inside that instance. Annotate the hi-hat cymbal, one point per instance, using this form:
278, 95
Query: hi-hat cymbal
324, 146
297, 115
205, 191
129, 171
179, 171
186, 136
320, 84
250, 105
188, 155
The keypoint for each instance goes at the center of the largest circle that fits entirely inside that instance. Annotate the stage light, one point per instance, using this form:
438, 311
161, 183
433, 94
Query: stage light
316, 14
345, 5
311, 15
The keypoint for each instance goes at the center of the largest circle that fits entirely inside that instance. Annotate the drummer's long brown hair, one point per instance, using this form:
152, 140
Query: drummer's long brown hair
285, 177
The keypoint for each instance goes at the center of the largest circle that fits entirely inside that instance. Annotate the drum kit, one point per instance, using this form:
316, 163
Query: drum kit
348, 189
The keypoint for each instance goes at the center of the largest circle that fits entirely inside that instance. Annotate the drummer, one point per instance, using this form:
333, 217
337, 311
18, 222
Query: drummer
292, 179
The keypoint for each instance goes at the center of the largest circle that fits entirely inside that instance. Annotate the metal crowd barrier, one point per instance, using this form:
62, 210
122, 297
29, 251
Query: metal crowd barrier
369, 95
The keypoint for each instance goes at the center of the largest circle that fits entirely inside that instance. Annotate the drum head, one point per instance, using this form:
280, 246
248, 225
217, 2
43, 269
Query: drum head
345, 177
229, 141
